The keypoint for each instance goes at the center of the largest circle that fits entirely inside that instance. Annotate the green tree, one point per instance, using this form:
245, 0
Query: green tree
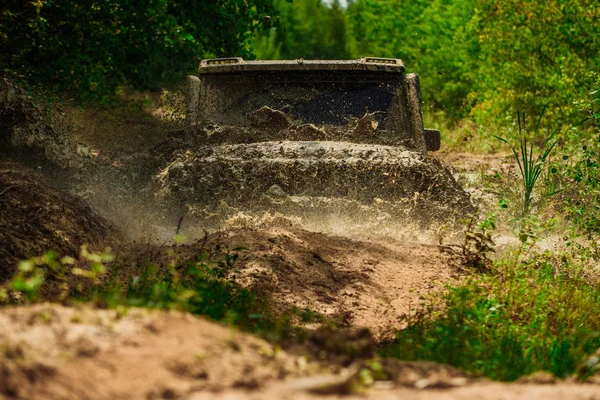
431, 37
535, 53
486, 58
90, 47
306, 29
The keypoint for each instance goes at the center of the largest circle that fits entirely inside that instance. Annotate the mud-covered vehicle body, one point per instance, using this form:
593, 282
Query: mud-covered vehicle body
328, 94
315, 139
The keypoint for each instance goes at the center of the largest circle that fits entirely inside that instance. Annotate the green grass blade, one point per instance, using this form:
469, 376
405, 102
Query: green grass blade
539, 121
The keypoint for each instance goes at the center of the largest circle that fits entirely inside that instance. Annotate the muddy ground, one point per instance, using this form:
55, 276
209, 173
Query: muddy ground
37, 218
56, 352
369, 280
370, 284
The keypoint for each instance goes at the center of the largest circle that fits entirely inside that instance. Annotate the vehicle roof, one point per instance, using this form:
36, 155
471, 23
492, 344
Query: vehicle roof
238, 64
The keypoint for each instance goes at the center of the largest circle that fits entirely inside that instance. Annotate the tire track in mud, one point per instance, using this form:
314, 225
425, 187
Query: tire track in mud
372, 284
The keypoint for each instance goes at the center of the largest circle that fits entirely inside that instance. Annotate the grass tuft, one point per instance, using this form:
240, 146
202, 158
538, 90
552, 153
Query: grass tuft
531, 168
537, 315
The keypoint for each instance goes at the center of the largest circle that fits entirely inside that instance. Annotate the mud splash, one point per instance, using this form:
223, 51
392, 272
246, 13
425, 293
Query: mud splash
35, 218
347, 180
326, 186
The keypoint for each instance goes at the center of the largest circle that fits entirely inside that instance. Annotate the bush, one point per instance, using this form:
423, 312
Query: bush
523, 317
575, 177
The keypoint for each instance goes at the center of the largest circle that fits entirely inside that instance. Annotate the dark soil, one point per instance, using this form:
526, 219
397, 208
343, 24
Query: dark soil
35, 218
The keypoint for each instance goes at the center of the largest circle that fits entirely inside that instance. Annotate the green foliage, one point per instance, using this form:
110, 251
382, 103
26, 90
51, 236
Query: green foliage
531, 169
477, 59
201, 287
594, 105
578, 178
28, 280
524, 316
195, 288
575, 178
90, 48
479, 245
433, 38
306, 29
534, 53
56, 275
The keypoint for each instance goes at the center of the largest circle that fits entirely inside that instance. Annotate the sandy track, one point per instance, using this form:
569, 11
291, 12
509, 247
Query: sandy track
53, 352
480, 391
372, 284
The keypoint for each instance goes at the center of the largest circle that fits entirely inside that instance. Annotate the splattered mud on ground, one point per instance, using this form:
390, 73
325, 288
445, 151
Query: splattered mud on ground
365, 284
290, 176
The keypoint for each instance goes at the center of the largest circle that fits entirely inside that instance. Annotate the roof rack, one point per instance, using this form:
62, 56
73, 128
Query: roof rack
238, 64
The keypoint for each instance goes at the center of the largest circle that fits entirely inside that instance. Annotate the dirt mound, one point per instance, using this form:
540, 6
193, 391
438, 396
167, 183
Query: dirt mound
35, 218
362, 283
53, 352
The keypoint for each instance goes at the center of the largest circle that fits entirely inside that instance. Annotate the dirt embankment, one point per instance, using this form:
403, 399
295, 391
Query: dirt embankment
35, 218
53, 352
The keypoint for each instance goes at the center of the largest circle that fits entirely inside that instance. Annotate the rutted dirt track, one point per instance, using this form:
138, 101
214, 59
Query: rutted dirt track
54, 352
366, 283
369, 284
